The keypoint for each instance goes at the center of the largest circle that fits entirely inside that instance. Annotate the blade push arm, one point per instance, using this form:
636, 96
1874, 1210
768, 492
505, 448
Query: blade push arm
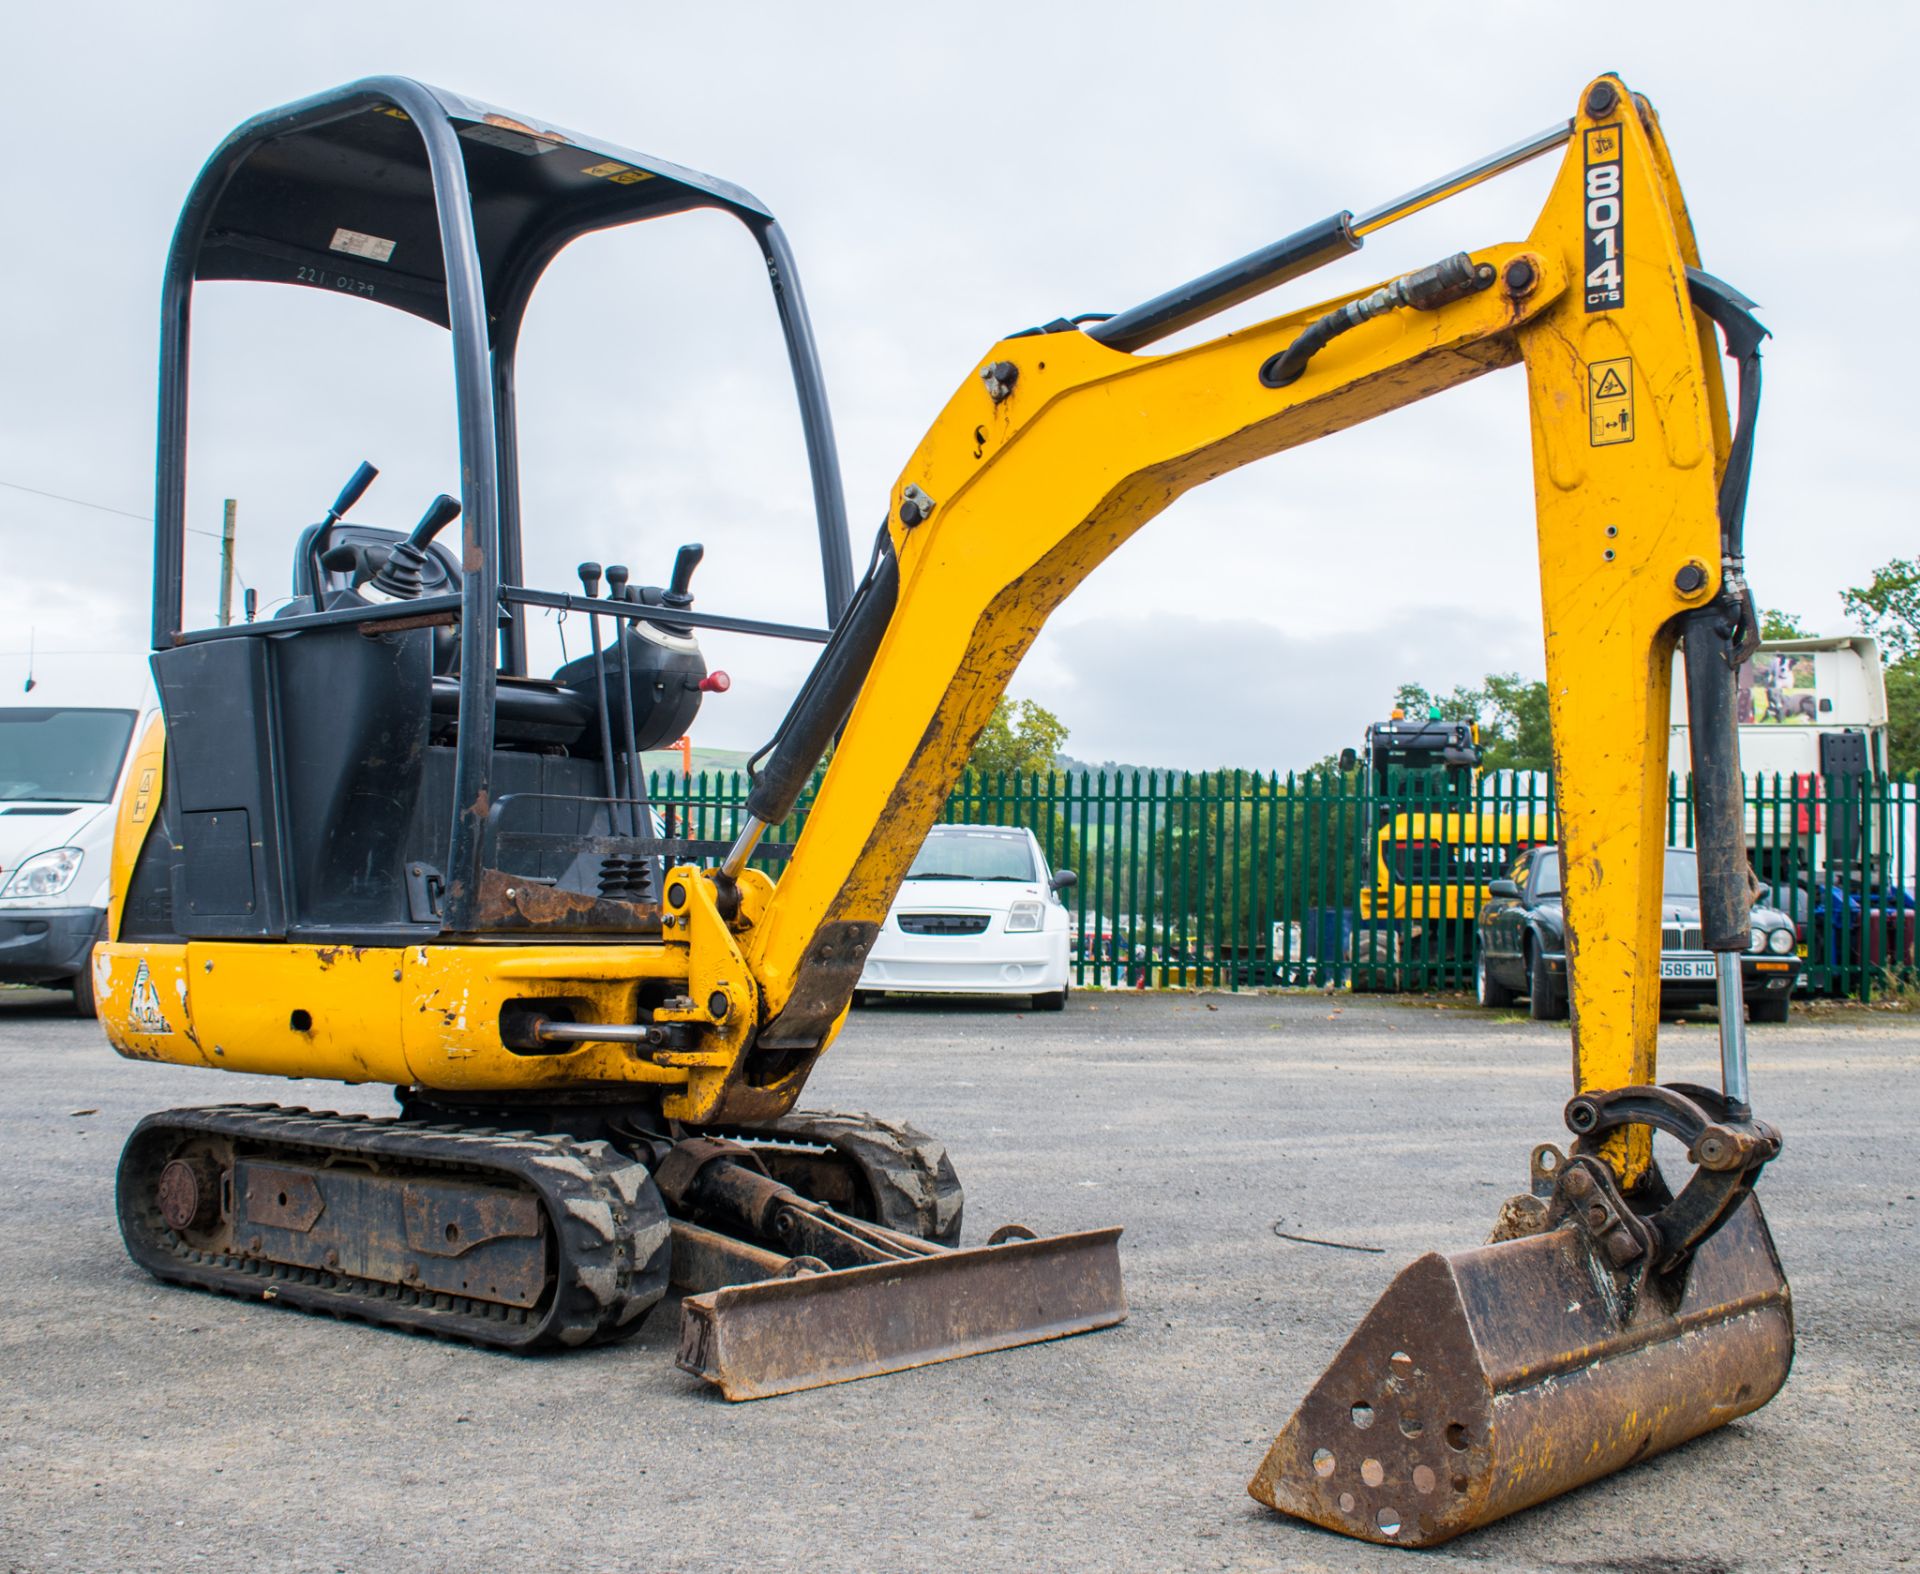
1044, 464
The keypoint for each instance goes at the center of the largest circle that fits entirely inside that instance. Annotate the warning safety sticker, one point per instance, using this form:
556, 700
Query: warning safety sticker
620, 174
143, 796
146, 1013
1610, 400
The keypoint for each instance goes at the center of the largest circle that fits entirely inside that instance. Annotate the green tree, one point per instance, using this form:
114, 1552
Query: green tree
1019, 736
1521, 736
1463, 704
1888, 607
1011, 780
1778, 624
1903, 716
1511, 713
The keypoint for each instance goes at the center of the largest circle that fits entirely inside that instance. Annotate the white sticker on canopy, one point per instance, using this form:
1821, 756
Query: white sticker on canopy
357, 245
513, 141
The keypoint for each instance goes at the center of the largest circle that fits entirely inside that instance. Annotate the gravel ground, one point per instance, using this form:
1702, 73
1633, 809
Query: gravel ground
143, 1427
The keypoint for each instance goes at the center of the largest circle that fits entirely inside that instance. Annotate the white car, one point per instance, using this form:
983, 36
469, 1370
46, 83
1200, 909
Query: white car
61, 767
979, 914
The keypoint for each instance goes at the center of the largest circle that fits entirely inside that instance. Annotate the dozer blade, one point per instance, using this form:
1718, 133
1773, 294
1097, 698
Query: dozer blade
783, 1335
1487, 1381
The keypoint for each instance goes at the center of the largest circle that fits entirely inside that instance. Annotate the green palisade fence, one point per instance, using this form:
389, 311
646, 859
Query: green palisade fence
1236, 880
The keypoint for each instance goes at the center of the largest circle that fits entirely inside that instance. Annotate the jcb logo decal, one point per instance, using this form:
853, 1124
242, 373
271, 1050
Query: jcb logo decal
1606, 277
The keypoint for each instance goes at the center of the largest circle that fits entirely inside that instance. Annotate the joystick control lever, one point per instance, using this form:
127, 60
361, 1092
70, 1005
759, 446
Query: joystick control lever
617, 578
351, 493
685, 561
400, 578
590, 583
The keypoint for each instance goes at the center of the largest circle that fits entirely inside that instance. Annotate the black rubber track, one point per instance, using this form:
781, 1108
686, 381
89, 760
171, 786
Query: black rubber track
606, 1224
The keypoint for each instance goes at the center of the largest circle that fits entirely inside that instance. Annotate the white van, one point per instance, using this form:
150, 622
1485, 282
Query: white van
61, 771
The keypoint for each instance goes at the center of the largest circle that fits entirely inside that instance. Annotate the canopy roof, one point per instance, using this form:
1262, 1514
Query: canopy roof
336, 193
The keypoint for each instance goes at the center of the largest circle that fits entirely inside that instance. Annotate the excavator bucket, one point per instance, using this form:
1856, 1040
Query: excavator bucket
1490, 1380
806, 1330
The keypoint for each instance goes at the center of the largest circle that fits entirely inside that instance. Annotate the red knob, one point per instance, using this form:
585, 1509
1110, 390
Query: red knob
715, 683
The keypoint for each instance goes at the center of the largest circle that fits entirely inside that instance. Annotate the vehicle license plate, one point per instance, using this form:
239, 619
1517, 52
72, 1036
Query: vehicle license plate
1675, 967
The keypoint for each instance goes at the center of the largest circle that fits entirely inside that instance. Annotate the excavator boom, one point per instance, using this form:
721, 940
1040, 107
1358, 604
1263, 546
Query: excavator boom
1082, 445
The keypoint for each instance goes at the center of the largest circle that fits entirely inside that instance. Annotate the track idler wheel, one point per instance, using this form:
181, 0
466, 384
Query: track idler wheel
188, 1192
1598, 1334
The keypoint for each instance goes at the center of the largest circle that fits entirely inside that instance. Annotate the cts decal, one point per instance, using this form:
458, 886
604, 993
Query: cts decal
1606, 265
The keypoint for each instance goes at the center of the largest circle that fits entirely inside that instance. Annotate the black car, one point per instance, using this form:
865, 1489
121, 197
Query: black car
1520, 947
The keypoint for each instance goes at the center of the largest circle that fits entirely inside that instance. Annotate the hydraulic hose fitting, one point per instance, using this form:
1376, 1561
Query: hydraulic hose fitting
1443, 283
1428, 289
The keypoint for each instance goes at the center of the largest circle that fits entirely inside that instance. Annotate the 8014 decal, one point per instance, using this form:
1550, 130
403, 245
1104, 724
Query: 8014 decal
1606, 266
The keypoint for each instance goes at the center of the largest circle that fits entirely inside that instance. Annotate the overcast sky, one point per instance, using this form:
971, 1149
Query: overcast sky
946, 175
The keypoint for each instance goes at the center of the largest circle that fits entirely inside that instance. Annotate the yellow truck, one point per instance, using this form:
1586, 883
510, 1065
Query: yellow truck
1414, 924
1436, 837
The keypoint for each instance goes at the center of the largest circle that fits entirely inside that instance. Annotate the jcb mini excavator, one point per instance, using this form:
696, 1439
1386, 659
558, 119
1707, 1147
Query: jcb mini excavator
369, 846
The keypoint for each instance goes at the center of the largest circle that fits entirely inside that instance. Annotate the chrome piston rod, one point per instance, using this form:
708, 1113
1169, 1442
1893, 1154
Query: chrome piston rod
1733, 1028
545, 1030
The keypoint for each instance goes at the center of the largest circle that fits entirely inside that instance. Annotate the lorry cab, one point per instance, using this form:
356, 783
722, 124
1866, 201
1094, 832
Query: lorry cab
1792, 694
1812, 720
62, 768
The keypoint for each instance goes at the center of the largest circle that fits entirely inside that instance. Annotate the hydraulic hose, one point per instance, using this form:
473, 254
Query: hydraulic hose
1427, 290
1733, 313
1718, 637
826, 699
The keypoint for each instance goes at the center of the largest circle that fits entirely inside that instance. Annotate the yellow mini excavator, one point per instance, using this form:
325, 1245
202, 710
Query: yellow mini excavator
368, 846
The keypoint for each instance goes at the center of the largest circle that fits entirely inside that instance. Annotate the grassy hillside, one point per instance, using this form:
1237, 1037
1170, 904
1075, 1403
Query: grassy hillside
708, 760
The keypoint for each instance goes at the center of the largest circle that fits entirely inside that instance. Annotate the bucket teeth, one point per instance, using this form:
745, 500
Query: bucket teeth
1490, 1380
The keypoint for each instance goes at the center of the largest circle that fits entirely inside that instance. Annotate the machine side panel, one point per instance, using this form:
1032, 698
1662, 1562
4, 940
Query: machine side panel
222, 789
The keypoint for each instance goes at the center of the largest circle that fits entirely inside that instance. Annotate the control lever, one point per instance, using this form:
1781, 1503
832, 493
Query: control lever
590, 583
351, 493
630, 758
400, 577
685, 561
